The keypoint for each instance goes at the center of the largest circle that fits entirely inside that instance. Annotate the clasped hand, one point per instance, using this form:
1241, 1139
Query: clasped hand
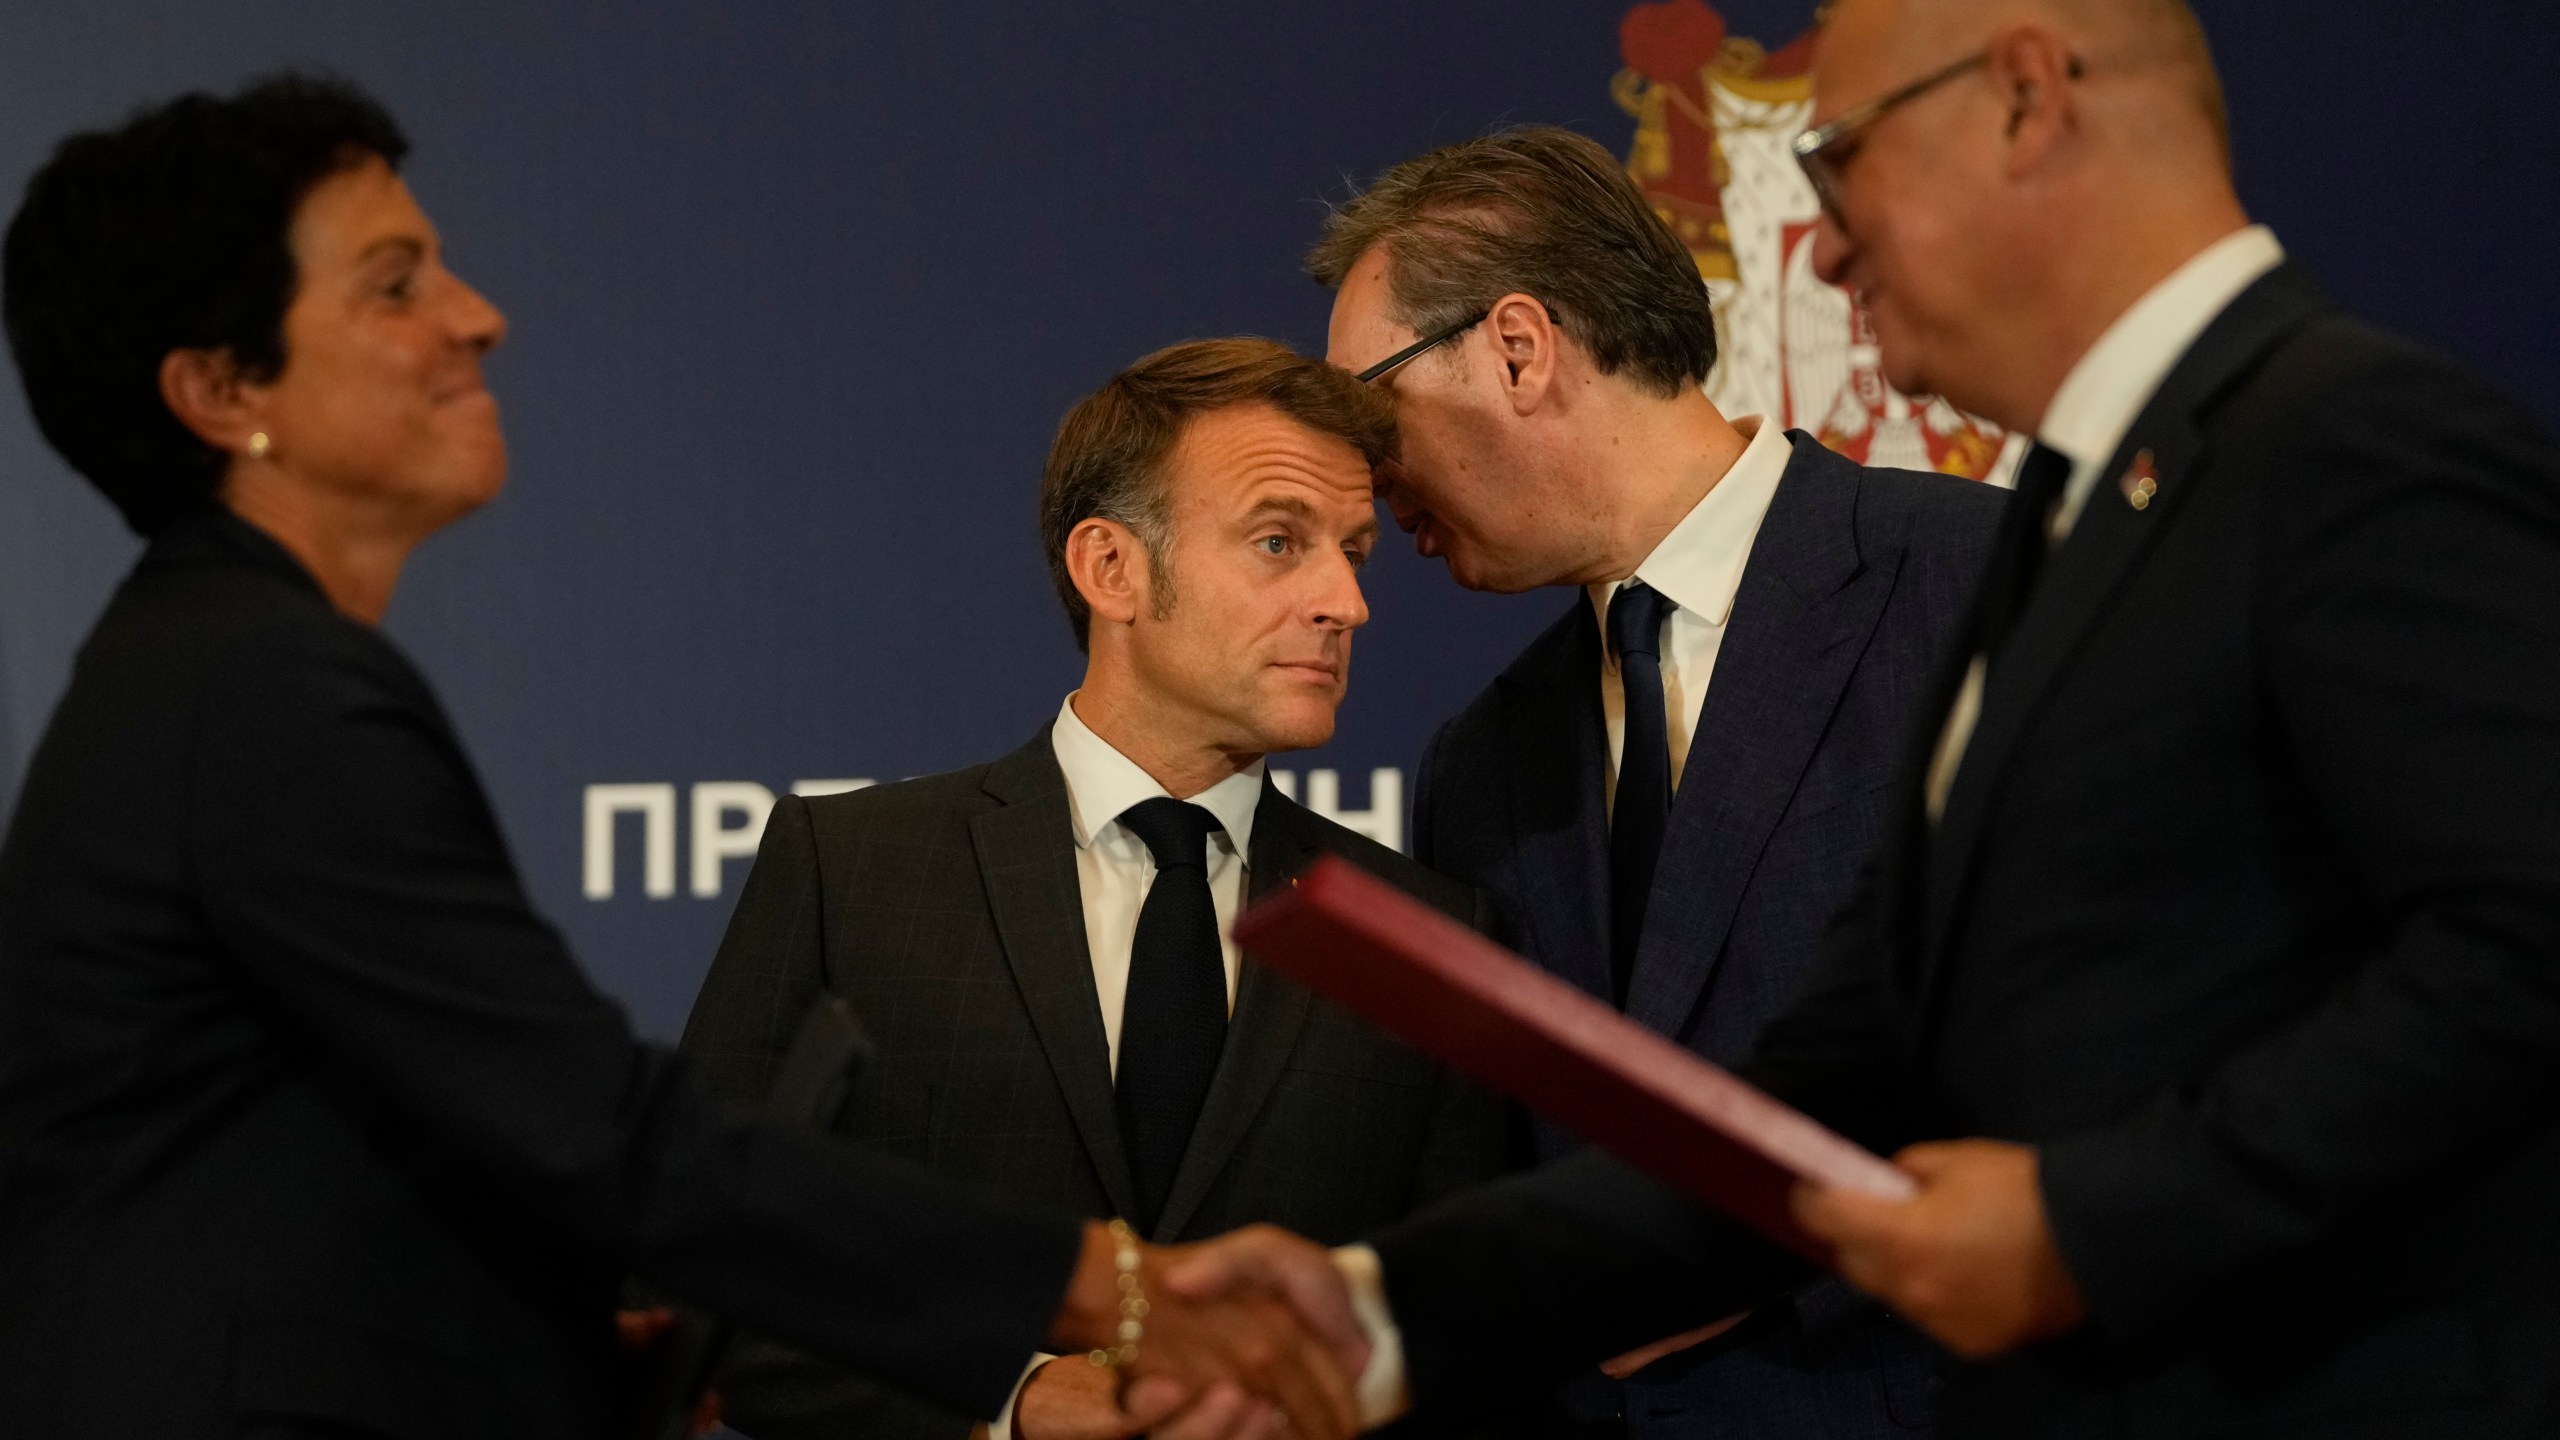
1247, 1337
1252, 1336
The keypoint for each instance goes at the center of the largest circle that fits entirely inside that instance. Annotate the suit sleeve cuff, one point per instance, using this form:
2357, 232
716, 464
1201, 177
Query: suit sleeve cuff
1381, 1388
2145, 1228
1001, 1428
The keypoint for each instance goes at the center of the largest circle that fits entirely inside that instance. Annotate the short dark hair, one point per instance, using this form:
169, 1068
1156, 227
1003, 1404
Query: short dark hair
170, 232
1541, 211
1108, 458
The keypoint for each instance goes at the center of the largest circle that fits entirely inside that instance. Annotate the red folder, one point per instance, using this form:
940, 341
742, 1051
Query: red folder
1453, 994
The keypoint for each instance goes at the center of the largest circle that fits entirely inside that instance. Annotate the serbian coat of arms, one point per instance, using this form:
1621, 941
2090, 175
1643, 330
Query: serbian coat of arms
1715, 114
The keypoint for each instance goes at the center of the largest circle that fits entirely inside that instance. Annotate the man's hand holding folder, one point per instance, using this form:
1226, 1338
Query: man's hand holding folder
1951, 1235
1969, 1258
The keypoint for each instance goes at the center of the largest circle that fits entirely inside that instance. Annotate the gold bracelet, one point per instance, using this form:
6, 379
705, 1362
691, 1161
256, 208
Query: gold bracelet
1133, 1301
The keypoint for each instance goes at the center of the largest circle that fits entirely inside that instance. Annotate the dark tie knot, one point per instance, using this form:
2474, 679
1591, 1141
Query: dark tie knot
2042, 475
1636, 614
1176, 832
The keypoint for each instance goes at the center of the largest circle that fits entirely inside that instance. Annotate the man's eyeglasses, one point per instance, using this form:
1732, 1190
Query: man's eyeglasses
1822, 152
1419, 347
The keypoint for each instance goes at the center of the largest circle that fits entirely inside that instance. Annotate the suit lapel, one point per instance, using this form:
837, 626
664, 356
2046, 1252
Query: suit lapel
1026, 859
1807, 605
1269, 1013
1557, 764
2083, 578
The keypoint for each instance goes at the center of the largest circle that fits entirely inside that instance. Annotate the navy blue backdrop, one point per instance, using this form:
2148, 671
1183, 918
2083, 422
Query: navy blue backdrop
800, 289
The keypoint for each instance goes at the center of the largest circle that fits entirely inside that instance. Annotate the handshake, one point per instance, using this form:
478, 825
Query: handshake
1244, 1337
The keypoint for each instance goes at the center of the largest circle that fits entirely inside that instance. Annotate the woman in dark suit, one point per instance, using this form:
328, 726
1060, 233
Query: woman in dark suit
308, 1123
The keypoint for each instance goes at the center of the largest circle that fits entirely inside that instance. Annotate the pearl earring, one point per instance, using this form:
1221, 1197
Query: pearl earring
259, 445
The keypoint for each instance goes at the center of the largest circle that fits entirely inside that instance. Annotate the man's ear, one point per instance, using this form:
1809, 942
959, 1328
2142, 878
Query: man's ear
1527, 340
208, 394
1109, 568
2032, 67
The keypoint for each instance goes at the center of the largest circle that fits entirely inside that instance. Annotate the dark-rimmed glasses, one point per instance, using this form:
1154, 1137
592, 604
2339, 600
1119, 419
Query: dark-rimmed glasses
1823, 151
1418, 347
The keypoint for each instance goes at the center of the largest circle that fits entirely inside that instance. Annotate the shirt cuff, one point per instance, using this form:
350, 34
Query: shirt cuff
1001, 1428
1381, 1388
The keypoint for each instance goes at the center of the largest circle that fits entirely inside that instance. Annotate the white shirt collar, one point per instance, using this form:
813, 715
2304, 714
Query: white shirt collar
1698, 566
2105, 393
1102, 783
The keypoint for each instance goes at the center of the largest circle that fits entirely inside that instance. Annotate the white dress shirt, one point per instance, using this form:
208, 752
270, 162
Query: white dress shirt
2091, 414
1114, 871
2106, 392
1697, 567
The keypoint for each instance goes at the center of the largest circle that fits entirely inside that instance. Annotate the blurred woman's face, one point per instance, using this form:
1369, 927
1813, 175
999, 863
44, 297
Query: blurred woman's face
380, 399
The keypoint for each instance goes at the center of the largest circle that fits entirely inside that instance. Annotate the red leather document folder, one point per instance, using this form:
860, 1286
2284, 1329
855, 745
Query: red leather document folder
1484, 1011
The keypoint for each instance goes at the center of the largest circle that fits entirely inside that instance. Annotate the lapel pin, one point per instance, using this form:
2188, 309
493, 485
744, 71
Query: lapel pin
2140, 482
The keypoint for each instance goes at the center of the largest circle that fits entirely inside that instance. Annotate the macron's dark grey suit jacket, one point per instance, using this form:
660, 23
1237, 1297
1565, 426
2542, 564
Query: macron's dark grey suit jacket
947, 910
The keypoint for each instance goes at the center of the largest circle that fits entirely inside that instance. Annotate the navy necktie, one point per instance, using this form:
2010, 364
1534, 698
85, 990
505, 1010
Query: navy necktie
2041, 477
1642, 809
1173, 1021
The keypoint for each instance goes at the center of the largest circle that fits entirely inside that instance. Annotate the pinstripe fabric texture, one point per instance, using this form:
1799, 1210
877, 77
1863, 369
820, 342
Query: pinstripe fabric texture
946, 910
1858, 585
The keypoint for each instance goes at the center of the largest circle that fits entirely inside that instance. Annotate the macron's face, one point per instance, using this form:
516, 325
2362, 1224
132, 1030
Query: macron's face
1441, 488
1271, 523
